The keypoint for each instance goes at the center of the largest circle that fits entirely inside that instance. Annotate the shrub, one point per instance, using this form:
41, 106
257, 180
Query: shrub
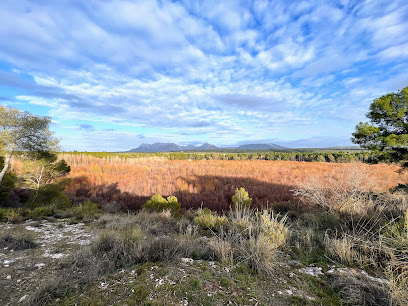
9, 181
348, 192
206, 219
86, 211
360, 290
129, 247
263, 244
13, 215
341, 248
241, 198
17, 240
158, 204
398, 284
50, 195
273, 231
48, 292
42, 211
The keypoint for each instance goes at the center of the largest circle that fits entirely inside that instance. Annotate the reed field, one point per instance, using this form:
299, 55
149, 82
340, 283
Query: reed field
129, 182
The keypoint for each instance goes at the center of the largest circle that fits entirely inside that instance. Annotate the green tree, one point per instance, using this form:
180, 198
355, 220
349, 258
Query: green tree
387, 131
43, 171
25, 132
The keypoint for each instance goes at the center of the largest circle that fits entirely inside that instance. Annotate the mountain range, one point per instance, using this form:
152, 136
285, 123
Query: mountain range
169, 147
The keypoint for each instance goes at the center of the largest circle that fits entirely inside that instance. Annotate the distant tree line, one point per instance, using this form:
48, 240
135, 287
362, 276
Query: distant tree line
331, 157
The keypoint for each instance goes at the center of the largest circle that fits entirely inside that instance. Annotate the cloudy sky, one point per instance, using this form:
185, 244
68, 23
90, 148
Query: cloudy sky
115, 74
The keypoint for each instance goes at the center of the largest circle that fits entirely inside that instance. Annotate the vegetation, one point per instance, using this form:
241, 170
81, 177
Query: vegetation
303, 155
158, 204
128, 184
22, 131
357, 249
311, 233
387, 132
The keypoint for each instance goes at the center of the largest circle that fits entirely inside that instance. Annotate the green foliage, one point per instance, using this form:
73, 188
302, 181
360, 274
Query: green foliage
158, 204
11, 214
241, 198
24, 132
387, 131
40, 212
207, 219
85, 209
8, 184
50, 195
44, 171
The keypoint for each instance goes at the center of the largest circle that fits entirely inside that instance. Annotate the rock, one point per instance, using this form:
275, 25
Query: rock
357, 273
313, 271
187, 260
8, 277
22, 298
293, 263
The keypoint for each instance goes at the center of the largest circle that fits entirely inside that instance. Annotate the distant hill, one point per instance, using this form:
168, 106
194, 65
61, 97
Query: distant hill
171, 147
345, 148
207, 146
158, 147
260, 146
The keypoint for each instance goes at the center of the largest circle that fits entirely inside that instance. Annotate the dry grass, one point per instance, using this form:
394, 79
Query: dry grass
131, 182
341, 248
398, 285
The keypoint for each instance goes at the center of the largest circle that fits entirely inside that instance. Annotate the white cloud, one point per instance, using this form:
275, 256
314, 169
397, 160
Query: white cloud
202, 67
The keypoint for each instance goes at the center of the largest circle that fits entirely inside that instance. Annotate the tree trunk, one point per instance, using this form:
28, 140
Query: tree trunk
5, 167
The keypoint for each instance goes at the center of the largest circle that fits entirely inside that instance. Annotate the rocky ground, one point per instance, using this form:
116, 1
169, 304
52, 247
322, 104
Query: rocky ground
182, 281
23, 270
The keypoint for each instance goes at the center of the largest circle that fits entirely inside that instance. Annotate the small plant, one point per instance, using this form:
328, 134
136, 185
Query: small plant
241, 198
206, 219
340, 248
273, 231
158, 204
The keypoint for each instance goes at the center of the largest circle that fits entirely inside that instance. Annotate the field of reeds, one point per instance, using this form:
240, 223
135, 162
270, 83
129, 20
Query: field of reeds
129, 182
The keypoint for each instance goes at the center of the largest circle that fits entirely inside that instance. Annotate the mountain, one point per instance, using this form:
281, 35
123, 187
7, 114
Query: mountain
157, 147
207, 146
169, 147
260, 146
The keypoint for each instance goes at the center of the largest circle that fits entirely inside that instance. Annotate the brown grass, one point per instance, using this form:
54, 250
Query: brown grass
130, 182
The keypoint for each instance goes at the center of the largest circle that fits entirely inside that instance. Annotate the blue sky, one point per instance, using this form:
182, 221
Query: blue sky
115, 74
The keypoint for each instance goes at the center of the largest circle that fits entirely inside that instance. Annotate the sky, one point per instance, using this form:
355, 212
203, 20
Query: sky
116, 74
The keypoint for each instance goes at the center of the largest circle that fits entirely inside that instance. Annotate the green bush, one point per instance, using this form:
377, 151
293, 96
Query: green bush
7, 185
11, 214
86, 210
241, 198
50, 195
41, 211
158, 204
206, 219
